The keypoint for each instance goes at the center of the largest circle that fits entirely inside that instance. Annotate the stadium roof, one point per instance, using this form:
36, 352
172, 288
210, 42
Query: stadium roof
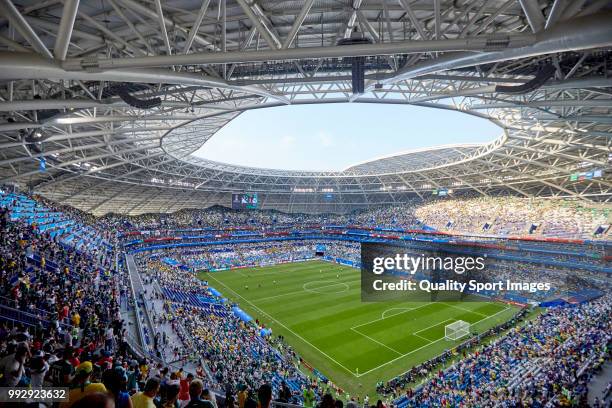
112, 97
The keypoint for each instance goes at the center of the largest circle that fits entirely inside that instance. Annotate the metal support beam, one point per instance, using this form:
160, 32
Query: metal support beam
437, 19
11, 44
93, 173
368, 26
80, 160
8, 9
534, 15
100, 27
355, 5
555, 13
297, 23
64, 32
162, 26
122, 15
572, 9
260, 22
594, 7
527, 176
413, 19
476, 17
30, 66
196, 26
80, 148
477, 43
578, 34
146, 11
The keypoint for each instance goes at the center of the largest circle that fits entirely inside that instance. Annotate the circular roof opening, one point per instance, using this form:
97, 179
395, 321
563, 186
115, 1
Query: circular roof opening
334, 137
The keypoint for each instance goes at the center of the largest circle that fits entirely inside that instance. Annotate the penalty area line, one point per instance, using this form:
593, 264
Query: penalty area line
429, 344
406, 310
400, 357
376, 341
401, 310
464, 309
286, 328
427, 328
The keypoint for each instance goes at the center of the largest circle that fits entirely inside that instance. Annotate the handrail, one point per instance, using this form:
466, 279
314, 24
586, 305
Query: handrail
278, 404
587, 364
136, 348
9, 302
136, 307
149, 320
24, 317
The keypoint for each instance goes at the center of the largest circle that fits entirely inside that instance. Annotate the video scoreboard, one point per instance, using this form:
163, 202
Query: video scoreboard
244, 201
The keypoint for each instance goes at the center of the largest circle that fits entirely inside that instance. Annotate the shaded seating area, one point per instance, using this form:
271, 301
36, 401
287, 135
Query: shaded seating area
61, 226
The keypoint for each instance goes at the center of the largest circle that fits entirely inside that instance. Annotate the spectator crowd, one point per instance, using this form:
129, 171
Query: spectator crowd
484, 215
62, 322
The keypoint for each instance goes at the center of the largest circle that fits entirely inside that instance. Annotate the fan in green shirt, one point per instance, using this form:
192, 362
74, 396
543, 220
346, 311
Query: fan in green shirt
309, 397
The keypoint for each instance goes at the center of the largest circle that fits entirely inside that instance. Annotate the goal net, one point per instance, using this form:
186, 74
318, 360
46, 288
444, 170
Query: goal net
456, 330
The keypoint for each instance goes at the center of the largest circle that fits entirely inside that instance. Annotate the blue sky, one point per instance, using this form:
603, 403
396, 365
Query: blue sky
335, 136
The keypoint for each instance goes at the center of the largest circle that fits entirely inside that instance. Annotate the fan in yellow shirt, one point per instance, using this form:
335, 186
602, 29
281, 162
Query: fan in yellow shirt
76, 319
144, 399
81, 385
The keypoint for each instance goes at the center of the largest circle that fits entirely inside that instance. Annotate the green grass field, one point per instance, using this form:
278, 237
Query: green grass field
317, 306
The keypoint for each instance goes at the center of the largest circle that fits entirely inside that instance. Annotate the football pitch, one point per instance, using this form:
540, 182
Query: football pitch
317, 307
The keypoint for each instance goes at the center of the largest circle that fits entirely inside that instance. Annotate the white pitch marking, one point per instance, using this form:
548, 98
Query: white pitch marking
297, 292
427, 328
382, 318
403, 309
376, 341
346, 287
464, 309
286, 328
421, 337
353, 328
429, 344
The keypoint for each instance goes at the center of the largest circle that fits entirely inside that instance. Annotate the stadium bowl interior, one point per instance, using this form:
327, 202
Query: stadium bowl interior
119, 246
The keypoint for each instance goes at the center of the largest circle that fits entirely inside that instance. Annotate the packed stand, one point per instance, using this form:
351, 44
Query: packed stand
235, 352
68, 226
57, 329
516, 216
400, 216
543, 362
482, 215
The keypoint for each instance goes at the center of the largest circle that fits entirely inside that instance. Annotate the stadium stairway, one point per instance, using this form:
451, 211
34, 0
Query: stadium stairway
145, 328
599, 385
156, 306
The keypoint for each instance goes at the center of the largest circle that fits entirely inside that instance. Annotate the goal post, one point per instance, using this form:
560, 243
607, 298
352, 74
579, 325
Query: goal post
456, 330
